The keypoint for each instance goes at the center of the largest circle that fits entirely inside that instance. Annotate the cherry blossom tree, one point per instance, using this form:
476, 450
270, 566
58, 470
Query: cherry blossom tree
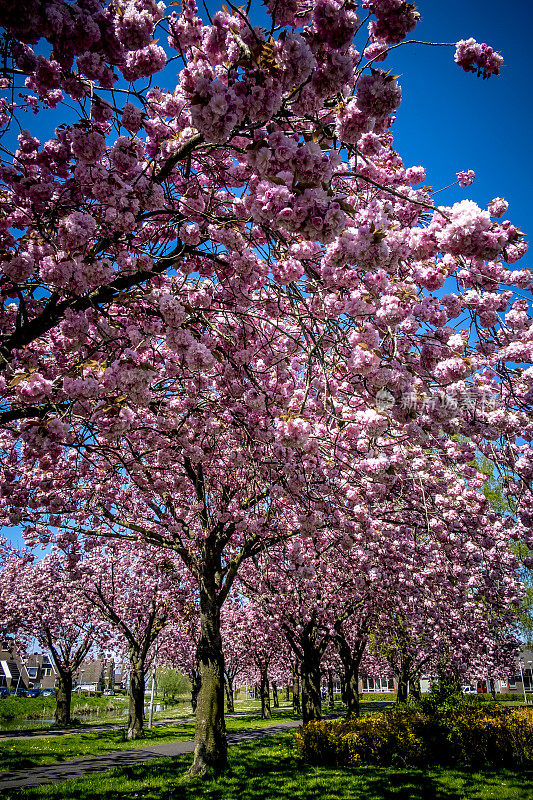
138, 591
40, 600
221, 292
256, 645
235, 646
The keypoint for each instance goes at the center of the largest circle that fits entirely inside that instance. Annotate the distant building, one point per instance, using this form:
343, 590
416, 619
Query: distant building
121, 678
521, 681
13, 672
95, 676
41, 671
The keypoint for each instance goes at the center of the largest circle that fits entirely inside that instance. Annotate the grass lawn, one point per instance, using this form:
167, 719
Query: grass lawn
26, 753
266, 769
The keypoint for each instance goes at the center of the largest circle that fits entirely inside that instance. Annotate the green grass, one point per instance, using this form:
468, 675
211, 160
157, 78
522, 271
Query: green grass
14, 708
266, 769
24, 754
20, 753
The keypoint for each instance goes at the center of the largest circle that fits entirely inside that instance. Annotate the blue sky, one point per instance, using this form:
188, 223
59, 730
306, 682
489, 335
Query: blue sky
450, 120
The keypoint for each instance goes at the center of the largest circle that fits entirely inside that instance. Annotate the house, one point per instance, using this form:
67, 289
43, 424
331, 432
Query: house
521, 681
95, 676
42, 673
121, 677
13, 672
377, 684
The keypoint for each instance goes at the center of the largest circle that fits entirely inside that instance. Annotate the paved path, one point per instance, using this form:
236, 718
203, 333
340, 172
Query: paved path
79, 767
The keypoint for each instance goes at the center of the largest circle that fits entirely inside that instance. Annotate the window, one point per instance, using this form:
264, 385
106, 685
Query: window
47, 671
32, 672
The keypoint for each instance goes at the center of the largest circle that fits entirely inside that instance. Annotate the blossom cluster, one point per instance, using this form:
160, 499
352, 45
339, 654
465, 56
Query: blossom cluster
475, 57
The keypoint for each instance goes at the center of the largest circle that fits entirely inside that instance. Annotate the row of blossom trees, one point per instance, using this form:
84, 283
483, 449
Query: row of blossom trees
238, 330
321, 610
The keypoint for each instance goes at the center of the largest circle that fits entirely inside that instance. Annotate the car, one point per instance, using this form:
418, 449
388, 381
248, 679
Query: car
109, 692
469, 690
48, 693
20, 692
4, 692
33, 693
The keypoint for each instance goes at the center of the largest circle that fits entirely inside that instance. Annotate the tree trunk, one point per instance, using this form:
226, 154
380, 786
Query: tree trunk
351, 672
265, 695
63, 699
229, 695
195, 682
403, 682
275, 694
351, 659
343, 689
331, 698
210, 745
311, 699
416, 689
136, 698
296, 690
287, 693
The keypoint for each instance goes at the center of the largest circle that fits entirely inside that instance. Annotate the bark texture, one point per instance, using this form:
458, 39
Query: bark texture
63, 699
311, 699
136, 699
210, 745
195, 683
403, 680
275, 697
296, 706
229, 695
264, 690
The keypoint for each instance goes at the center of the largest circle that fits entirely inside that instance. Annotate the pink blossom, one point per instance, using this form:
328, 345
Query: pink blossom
87, 145
76, 230
352, 123
143, 63
498, 207
378, 94
466, 178
480, 58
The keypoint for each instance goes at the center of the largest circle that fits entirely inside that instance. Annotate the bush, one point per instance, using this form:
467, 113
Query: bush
375, 697
468, 736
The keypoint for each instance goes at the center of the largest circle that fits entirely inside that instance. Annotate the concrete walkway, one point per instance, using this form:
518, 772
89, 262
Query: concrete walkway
79, 767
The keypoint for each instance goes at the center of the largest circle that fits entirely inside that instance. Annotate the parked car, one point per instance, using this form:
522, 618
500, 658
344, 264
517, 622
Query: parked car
33, 693
469, 690
4, 692
48, 693
109, 693
20, 692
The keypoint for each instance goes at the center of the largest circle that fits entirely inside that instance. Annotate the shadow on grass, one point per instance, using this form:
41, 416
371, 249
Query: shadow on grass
267, 770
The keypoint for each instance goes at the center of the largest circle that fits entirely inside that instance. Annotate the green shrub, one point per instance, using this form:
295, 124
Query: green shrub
469, 736
376, 697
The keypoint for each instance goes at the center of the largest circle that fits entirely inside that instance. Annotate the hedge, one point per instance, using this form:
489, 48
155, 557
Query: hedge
467, 736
